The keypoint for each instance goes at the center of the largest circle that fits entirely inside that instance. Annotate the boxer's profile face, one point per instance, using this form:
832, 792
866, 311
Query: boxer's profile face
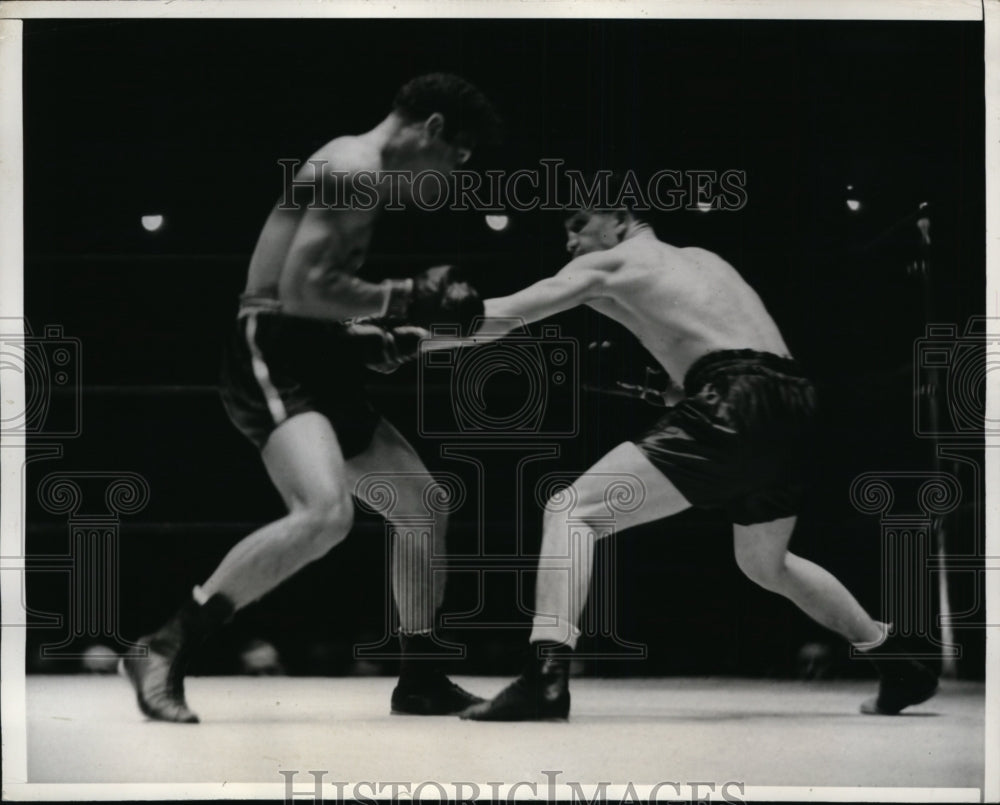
591, 231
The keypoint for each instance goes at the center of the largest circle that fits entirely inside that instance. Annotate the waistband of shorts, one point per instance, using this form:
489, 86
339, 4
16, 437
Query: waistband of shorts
735, 362
264, 300
254, 304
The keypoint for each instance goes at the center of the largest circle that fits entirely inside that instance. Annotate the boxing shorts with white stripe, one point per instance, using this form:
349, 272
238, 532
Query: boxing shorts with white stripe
277, 366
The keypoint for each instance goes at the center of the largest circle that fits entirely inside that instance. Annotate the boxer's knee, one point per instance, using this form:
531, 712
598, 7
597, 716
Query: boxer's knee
325, 523
572, 505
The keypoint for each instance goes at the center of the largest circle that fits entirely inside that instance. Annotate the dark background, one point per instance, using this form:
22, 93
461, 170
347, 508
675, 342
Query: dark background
188, 119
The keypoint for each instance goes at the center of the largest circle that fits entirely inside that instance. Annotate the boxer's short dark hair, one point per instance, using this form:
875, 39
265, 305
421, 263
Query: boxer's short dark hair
609, 197
616, 184
469, 117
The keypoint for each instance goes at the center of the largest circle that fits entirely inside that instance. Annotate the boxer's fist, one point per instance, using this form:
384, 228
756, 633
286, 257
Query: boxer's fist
438, 295
442, 296
383, 348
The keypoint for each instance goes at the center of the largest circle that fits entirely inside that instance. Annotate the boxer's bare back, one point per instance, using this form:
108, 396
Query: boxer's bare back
681, 303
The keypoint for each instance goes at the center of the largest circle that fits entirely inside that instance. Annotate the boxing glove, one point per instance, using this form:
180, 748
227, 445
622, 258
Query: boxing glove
438, 295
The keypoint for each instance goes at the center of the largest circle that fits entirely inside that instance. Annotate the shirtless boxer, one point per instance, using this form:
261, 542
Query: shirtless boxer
292, 382
735, 442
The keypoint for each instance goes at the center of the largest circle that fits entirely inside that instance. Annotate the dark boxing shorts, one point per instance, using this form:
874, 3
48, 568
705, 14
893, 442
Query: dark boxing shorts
277, 366
740, 438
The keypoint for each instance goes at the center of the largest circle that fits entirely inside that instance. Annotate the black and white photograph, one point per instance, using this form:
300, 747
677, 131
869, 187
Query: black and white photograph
580, 402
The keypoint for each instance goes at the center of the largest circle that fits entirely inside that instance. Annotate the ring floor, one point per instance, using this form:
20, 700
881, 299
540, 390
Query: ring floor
87, 729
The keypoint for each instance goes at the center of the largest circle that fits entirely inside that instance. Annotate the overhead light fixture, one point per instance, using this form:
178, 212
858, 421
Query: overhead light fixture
498, 223
152, 222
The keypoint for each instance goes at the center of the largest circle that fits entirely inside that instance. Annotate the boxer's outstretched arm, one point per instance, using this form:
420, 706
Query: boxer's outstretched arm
579, 282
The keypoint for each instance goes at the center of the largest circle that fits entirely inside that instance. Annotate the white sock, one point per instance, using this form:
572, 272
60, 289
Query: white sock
557, 631
199, 595
884, 627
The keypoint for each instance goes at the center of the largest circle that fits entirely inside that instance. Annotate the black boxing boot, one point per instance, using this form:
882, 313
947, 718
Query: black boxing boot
158, 678
903, 681
540, 693
423, 688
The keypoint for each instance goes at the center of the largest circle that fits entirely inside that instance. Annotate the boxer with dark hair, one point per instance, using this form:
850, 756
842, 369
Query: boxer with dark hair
293, 383
469, 118
737, 442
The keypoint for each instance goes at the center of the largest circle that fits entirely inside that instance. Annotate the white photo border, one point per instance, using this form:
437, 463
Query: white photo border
12, 648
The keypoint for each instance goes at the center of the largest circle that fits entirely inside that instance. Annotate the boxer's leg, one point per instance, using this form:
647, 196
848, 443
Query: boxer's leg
417, 588
304, 460
565, 565
564, 572
762, 554
417, 592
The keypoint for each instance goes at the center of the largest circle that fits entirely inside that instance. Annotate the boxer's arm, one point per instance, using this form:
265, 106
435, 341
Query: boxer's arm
333, 294
322, 282
319, 278
580, 281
